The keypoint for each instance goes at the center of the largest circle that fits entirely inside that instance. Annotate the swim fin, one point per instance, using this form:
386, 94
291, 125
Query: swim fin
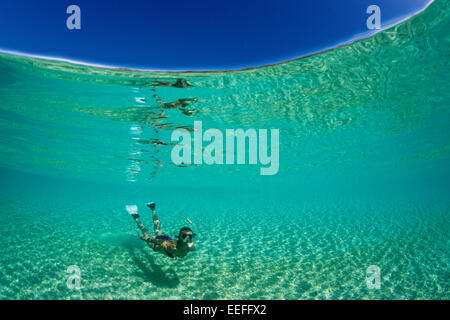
151, 205
132, 210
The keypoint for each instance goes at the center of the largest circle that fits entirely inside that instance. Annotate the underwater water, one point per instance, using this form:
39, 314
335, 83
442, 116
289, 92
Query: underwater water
363, 176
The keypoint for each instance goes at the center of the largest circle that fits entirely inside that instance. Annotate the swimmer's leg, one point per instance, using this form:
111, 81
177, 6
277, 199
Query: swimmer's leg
146, 236
156, 222
133, 211
143, 228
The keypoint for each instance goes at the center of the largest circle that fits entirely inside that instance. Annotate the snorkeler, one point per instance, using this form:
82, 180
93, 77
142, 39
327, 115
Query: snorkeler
180, 83
161, 242
180, 104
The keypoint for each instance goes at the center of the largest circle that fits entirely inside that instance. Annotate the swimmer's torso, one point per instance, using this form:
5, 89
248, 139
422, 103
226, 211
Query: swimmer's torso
170, 247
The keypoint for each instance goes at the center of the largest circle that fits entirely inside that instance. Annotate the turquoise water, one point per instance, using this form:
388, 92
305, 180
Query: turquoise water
363, 177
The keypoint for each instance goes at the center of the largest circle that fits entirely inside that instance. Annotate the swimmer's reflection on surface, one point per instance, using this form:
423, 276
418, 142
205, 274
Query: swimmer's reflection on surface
179, 83
180, 104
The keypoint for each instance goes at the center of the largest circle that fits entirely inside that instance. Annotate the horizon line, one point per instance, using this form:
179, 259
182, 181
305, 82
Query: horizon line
353, 39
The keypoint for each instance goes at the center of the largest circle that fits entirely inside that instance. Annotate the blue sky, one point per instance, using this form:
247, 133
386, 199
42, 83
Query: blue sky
189, 35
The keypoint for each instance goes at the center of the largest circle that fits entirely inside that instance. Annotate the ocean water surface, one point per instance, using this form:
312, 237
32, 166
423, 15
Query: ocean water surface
363, 176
